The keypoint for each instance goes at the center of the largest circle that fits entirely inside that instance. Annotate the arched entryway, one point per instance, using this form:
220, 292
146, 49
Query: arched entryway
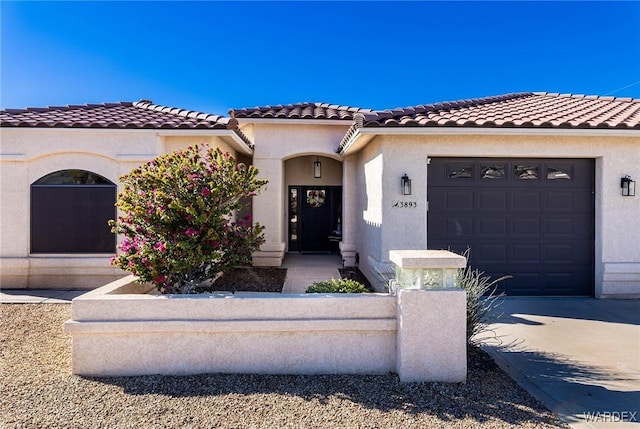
314, 204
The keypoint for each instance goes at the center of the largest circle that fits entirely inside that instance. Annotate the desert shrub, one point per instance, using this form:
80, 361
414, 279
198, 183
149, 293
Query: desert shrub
482, 302
337, 286
178, 219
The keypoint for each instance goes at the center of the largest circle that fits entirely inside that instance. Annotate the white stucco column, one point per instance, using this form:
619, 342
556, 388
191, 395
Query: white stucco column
268, 210
431, 344
349, 212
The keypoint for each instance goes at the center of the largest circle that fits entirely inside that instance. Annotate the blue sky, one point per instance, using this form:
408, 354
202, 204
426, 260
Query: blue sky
212, 56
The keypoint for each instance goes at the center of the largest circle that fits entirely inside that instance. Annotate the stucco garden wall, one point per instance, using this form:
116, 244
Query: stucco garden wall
617, 234
269, 333
27, 155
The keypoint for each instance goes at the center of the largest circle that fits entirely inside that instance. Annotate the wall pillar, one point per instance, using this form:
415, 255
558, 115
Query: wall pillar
348, 247
431, 343
268, 210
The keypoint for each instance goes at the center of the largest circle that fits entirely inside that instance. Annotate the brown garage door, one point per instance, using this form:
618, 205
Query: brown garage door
529, 218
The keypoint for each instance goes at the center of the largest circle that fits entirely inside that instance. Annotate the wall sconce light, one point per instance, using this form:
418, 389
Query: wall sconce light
405, 184
628, 187
317, 169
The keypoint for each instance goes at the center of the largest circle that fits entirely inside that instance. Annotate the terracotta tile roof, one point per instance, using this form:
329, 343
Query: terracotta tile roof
299, 111
523, 110
518, 110
137, 115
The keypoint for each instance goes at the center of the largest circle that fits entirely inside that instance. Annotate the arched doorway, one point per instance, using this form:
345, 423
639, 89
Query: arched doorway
314, 204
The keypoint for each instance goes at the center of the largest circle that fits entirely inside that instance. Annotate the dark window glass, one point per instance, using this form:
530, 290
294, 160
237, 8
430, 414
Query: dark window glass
457, 171
554, 173
526, 172
72, 177
70, 211
293, 214
492, 171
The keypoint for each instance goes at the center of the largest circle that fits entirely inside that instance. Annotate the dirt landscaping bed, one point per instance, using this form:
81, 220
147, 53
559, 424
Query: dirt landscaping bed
267, 279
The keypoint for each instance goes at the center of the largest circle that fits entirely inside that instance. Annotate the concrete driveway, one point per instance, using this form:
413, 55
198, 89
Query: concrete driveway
578, 356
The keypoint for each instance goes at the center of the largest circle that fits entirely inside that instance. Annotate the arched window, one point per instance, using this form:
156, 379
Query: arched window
70, 210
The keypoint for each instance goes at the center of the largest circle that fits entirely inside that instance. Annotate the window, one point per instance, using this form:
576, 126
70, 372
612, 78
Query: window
554, 173
526, 172
70, 210
459, 171
495, 171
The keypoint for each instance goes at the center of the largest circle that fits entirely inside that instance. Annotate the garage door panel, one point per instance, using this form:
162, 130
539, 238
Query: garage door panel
458, 200
492, 253
529, 218
574, 227
525, 201
525, 227
493, 200
492, 227
559, 201
526, 253
578, 253
562, 254
559, 227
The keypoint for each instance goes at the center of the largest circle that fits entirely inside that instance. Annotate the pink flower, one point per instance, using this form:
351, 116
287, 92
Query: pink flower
191, 232
160, 247
205, 192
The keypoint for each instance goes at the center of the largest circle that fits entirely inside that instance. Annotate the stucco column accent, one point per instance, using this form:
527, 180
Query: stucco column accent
348, 247
268, 210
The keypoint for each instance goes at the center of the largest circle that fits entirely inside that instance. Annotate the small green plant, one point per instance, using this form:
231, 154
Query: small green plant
337, 286
482, 300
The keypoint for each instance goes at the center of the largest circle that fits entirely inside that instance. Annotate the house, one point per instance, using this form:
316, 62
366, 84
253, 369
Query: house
530, 182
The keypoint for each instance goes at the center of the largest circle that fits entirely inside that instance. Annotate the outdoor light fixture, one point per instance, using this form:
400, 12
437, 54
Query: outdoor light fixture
317, 169
405, 183
628, 187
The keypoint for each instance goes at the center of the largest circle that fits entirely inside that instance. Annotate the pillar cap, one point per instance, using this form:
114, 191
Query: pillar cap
427, 259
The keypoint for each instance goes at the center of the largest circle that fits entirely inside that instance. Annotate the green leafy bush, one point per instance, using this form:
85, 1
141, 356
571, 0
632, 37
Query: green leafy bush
178, 219
337, 286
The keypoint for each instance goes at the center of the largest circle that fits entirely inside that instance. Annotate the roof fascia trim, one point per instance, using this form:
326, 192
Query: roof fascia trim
287, 121
362, 136
497, 131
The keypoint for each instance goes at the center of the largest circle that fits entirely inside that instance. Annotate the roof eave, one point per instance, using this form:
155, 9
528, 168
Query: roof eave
362, 136
230, 137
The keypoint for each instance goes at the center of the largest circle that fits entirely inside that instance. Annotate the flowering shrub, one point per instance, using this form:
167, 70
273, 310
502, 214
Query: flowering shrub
178, 219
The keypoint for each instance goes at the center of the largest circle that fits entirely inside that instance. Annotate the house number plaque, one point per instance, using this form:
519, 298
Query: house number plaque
405, 204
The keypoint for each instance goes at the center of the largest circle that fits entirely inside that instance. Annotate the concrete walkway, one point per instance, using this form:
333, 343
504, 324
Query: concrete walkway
38, 296
578, 356
304, 270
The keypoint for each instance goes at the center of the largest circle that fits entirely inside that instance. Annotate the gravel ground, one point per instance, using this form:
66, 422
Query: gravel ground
38, 391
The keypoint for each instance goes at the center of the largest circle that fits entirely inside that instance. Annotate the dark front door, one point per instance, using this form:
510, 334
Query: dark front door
529, 218
314, 213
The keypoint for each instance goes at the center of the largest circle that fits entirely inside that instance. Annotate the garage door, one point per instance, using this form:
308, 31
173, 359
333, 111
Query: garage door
529, 218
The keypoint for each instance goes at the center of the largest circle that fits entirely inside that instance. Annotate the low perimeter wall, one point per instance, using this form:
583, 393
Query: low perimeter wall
123, 329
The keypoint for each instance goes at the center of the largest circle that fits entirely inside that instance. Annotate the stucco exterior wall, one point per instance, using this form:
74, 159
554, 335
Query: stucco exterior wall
617, 236
28, 154
276, 143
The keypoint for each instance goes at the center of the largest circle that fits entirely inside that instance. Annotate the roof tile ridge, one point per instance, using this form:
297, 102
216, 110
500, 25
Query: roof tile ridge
588, 97
53, 108
178, 112
459, 104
